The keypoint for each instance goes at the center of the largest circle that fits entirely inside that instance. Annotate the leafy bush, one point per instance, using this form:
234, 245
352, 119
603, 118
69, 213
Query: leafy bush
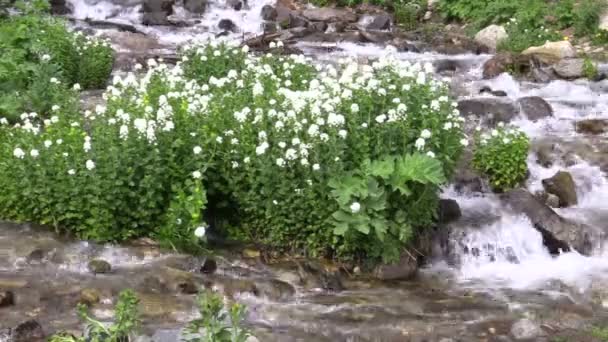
35, 46
126, 321
265, 141
216, 323
589, 69
532, 16
501, 156
522, 36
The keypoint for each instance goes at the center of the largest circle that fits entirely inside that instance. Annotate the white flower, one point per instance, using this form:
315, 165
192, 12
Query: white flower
342, 133
54, 80
245, 49
219, 140
295, 141
197, 150
55, 108
76, 86
280, 162
246, 160
59, 141
48, 143
34, 153
355, 207
3, 121
506, 140
261, 149
279, 44
354, 108
86, 146
272, 45
425, 134
494, 133
235, 164
18, 153
316, 167
45, 58
282, 144
380, 118
464, 142
197, 175
447, 126
420, 143
71, 172
200, 232
430, 154
90, 165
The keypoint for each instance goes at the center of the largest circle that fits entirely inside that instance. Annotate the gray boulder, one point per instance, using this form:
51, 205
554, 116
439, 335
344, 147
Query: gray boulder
490, 110
404, 269
195, 6
330, 14
269, 13
562, 185
570, 68
534, 107
156, 12
559, 234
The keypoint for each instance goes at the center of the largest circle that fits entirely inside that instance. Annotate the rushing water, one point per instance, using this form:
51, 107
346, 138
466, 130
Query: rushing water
511, 275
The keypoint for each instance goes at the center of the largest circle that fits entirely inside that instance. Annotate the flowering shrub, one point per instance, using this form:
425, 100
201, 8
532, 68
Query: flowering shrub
95, 60
501, 156
340, 160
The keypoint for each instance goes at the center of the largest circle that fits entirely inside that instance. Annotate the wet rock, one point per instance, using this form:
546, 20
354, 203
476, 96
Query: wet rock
37, 255
381, 21
195, 6
159, 305
490, 110
237, 5
90, 296
179, 281
7, 298
570, 68
552, 52
269, 13
251, 253
319, 26
535, 107
506, 62
59, 7
545, 153
99, 266
449, 211
499, 93
592, 126
153, 284
208, 266
29, 331
552, 201
466, 180
296, 21
453, 44
526, 329
562, 185
269, 27
446, 65
404, 269
377, 37
559, 234
275, 290
328, 14
491, 36
156, 12
315, 275
227, 25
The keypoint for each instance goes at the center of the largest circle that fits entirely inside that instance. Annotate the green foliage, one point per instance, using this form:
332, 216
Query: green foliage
600, 333
501, 156
216, 323
589, 69
371, 201
36, 48
258, 142
535, 20
522, 36
126, 321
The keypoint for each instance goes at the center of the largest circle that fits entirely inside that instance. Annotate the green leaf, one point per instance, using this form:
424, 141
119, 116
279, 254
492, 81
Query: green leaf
340, 228
383, 168
419, 168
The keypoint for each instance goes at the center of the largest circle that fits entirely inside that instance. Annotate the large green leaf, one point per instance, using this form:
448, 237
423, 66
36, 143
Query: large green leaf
383, 168
419, 168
